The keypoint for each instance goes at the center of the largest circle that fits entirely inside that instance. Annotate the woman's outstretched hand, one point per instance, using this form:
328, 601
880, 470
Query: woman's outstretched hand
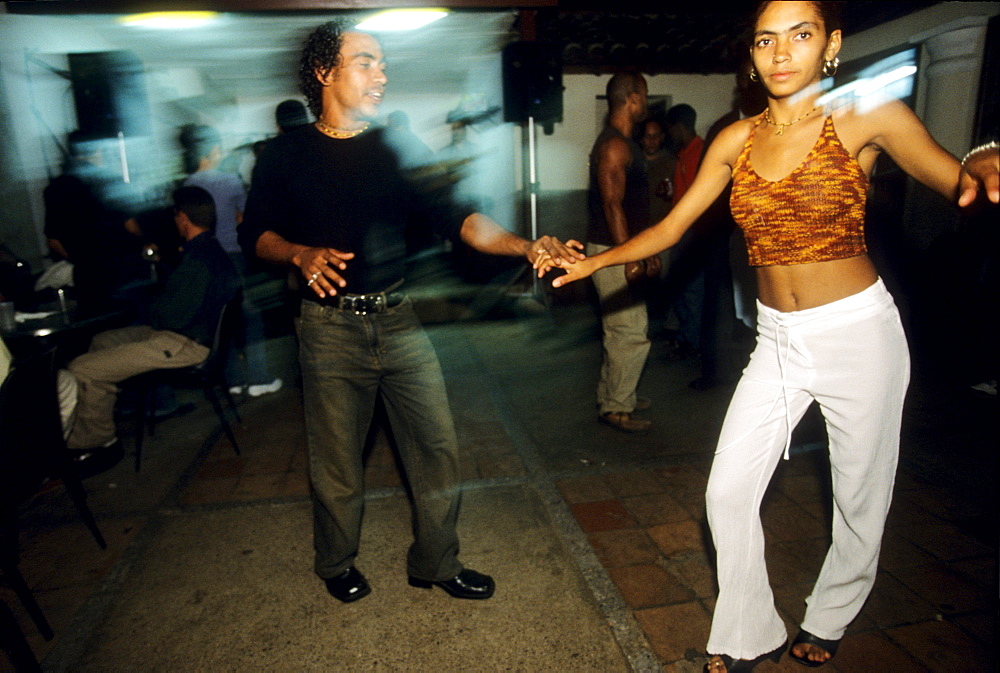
580, 269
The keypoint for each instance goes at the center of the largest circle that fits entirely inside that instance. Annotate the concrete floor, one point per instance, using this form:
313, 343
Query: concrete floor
597, 539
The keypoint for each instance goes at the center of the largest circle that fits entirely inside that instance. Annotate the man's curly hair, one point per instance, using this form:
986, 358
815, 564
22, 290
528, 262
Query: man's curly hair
321, 53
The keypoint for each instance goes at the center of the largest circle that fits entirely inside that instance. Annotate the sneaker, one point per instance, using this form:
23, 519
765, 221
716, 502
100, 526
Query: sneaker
265, 388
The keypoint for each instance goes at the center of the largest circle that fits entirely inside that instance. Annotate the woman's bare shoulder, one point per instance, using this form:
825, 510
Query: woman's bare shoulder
730, 142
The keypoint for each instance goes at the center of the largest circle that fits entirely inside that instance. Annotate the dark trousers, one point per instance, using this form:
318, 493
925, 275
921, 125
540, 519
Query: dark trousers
347, 361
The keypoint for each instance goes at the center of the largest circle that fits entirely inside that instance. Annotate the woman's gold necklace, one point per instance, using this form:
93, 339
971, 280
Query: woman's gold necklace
781, 126
340, 134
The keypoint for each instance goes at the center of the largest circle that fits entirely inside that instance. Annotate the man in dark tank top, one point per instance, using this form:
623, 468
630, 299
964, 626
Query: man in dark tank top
618, 203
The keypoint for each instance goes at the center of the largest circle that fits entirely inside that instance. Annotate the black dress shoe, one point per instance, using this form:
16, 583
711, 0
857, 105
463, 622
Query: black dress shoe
467, 584
93, 461
348, 586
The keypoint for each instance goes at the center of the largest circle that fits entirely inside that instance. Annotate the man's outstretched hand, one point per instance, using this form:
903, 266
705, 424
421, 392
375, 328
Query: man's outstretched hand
549, 252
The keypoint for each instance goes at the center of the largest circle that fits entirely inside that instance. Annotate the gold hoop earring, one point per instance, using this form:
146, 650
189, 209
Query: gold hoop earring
830, 67
753, 75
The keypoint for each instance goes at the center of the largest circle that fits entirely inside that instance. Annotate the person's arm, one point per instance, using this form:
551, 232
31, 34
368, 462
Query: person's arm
483, 234
897, 130
613, 160
713, 176
318, 266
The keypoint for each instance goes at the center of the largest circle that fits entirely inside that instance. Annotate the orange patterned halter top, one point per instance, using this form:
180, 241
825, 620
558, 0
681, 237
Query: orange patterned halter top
814, 214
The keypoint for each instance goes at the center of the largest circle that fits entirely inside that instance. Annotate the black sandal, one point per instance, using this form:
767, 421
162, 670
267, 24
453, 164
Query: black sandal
745, 665
806, 638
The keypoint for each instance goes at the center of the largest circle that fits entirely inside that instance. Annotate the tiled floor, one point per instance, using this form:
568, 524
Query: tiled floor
932, 607
639, 501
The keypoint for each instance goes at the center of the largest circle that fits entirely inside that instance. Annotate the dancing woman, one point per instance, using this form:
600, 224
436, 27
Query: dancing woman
827, 328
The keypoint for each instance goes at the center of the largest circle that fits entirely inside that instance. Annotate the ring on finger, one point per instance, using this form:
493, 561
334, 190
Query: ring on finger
310, 282
315, 275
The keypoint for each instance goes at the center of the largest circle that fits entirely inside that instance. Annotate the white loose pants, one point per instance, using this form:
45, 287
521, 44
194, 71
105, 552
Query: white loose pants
851, 357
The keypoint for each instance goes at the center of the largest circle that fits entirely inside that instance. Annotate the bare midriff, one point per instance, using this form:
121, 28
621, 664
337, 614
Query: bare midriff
797, 287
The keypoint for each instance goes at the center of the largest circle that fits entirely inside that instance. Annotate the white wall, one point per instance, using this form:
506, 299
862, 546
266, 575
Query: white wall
562, 157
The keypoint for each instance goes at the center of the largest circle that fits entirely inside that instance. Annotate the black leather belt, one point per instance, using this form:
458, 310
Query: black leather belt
362, 304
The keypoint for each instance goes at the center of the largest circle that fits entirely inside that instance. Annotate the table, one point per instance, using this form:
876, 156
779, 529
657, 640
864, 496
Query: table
70, 332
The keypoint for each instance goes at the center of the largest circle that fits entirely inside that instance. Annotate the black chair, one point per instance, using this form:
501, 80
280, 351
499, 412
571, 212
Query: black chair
32, 451
206, 375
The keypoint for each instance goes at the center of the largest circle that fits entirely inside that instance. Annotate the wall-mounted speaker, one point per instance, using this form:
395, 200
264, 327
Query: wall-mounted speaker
109, 91
532, 82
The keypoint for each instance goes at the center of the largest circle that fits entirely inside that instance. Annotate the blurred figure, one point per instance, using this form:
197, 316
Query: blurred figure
619, 209
460, 160
680, 121
202, 153
686, 281
411, 149
661, 162
460, 147
419, 161
290, 115
730, 286
82, 226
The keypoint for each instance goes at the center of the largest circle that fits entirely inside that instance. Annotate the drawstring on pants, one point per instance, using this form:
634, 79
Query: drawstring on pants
783, 368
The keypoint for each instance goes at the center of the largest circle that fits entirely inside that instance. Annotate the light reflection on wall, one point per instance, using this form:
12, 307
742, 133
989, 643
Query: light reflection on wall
887, 80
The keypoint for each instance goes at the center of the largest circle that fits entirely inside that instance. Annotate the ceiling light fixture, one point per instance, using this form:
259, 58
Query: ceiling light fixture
168, 19
401, 19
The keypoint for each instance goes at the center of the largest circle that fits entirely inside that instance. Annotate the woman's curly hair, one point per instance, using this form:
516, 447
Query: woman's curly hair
321, 53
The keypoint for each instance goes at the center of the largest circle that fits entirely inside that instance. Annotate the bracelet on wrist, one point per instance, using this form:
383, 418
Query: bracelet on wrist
992, 145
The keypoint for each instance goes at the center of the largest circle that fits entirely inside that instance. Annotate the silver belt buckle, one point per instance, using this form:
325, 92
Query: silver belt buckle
363, 304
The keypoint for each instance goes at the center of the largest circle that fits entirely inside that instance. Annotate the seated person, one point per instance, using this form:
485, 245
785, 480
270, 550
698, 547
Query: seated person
182, 324
65, 388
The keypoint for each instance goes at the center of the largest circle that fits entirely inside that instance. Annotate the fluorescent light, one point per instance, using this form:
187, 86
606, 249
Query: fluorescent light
168, 19
401, 19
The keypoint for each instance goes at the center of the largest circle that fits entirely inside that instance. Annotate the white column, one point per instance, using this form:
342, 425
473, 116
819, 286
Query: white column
947, 97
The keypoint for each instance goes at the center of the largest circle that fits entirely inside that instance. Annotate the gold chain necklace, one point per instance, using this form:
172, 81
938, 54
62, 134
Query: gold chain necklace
781, 126
340, 134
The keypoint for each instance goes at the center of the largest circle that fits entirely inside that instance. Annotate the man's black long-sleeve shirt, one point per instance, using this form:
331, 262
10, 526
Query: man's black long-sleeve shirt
348, 194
